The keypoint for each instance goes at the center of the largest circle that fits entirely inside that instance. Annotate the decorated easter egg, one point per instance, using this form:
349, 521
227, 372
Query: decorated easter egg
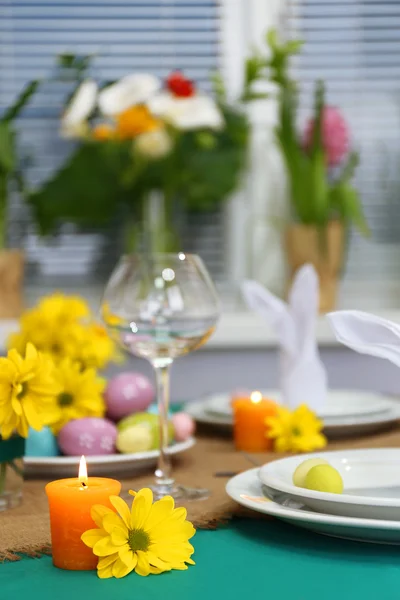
128, 393
137, 438
151, 423
183, 426
41, 443
90, 436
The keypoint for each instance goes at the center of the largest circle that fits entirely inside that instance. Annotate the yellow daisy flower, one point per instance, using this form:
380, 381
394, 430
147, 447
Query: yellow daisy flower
27, 392
149, 538
63, 309
295, 431
80, 394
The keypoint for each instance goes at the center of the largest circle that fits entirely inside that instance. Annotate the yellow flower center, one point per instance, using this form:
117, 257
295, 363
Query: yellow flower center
138, 540
296, 431
65, 399
24, 389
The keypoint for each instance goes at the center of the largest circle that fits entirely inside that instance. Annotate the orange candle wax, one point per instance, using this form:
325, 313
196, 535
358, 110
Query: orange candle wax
70, 501
249, 428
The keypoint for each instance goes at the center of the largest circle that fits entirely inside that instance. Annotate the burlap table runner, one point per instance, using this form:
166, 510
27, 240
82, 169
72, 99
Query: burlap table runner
26, 529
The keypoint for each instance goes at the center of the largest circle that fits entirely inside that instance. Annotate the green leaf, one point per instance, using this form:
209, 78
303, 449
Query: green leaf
87, 190
13, 111
7, 148
345, 198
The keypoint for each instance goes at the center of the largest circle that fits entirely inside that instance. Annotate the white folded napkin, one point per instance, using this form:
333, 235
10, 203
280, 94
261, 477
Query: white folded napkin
303, 376
367, 334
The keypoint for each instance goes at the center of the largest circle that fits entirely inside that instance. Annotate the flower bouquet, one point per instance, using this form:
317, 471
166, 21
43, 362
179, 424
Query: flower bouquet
319, 164
147, 150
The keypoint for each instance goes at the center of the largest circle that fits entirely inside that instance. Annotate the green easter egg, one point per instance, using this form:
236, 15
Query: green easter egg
324, 478
300, 474
137, 438
151, 422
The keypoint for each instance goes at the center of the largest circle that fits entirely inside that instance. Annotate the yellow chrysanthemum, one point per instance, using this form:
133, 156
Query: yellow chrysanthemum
63, 309
149, 538
295, 431
60, 326
27, 392
80, 394
94, 347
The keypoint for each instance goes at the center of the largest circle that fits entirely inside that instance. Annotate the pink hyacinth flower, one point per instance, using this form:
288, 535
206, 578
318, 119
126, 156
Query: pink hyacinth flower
335, 135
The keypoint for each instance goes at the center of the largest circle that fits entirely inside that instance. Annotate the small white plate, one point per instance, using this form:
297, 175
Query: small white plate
371, 481
108, 466
340, 404
334, 428
246, 489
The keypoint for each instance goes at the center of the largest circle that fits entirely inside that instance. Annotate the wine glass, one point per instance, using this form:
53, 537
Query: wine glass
160, 307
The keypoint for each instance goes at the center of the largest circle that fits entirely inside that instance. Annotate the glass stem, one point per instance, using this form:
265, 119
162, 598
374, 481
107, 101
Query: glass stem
164, 481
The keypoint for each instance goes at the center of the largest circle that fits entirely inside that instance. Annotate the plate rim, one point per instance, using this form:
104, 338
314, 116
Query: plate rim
99, 459
387, 417
353, 499
278, 510
386, 400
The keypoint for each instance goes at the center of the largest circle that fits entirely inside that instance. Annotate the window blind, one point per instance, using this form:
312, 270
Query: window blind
124, 36
354, 46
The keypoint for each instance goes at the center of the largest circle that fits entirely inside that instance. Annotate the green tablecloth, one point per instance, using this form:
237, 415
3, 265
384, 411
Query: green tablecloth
247, 559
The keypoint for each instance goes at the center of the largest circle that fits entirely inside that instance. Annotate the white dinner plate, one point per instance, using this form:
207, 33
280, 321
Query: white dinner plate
339, 404
371, 481
334, 428
107, 466
246, 489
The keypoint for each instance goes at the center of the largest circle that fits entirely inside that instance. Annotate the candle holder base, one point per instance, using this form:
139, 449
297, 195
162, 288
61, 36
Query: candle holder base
178, 492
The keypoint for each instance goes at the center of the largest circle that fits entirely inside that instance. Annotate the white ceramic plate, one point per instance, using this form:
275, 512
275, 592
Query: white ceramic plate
371, 483
107, 466
334, 428
247, 490
340, 403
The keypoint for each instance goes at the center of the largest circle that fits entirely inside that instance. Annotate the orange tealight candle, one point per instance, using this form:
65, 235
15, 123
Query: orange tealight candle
70, 501
249, 426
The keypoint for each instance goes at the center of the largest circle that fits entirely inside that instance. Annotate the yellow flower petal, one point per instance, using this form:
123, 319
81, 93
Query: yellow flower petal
105, 573
105, 561
104, 547
112, 521
98, 512
162, 509
92, 536
142, 568
122, 509
120, 569
157, 562
126, 555
119, 536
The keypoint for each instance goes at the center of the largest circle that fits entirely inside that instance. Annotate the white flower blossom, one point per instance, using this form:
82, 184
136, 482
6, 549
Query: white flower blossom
128, 91
74, 119
154, 144
193, 112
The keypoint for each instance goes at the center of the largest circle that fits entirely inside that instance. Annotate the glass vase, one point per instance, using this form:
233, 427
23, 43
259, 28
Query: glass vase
155, 232
11, 471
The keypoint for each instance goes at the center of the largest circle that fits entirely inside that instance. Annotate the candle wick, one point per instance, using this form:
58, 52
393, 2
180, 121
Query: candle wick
83, 484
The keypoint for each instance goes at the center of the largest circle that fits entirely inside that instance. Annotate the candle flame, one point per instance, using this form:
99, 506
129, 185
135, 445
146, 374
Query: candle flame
83, 478
256, 397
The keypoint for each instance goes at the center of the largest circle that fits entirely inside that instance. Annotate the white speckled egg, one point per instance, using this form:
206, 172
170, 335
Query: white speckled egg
90, 436
128, 393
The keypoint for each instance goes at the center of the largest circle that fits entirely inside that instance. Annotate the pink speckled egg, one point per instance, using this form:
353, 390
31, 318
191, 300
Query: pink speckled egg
90, 436
128, 393
183, 425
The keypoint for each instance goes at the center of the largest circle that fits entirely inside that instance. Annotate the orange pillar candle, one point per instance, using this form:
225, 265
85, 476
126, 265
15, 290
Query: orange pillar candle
70, 501
249, 428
